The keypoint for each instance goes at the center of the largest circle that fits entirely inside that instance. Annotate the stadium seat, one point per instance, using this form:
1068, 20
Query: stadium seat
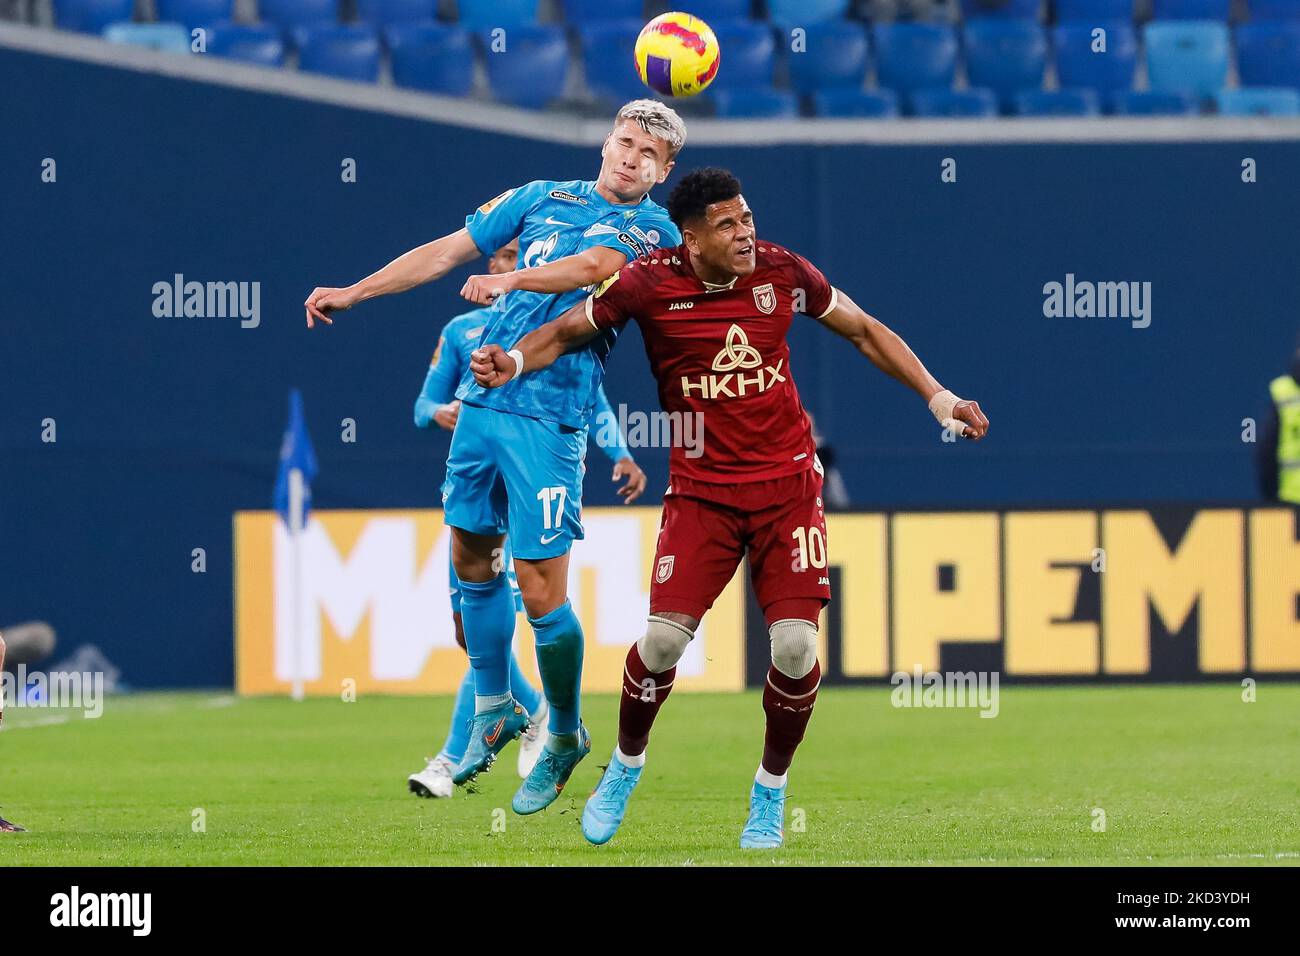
382, 13
289, 15
91, 16
915, 56
488, 14
1068, 10
1268, 53
607, 60
787, 14
262, 44
748, 56
1148, 103
195, 13
755, 103
581, 13
1005, 56
1275, 9
531, 71
836, 55
1260, 101
1016, 9
348, 51
954, 103
431, 57
855, 103
1078, 66
172, 37
1076, 102
715, 12
1191, 10
1188, 55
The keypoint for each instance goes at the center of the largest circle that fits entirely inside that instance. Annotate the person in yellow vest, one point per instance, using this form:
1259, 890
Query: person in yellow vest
1279, 445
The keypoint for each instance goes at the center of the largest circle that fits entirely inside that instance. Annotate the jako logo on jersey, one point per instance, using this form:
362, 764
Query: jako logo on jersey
765, 298
736, 354
567, 197
681, 305
664, 569
539, 250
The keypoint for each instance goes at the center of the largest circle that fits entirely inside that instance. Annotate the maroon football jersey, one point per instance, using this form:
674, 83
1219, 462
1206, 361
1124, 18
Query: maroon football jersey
722, 352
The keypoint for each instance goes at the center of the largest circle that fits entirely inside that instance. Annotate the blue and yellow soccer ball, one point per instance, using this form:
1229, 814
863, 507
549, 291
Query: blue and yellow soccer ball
677, 54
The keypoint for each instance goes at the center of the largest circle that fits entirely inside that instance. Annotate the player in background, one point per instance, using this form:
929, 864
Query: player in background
437, 404
5, 825
714, 313
516, 454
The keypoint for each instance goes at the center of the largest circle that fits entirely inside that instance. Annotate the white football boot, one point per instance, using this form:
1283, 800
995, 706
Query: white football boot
434, 780
533, 739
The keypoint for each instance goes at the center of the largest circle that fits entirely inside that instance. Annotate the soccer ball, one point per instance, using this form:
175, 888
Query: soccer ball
677, 54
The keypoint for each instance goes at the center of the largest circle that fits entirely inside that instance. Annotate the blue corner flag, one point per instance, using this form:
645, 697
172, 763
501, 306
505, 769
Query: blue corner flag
295, 453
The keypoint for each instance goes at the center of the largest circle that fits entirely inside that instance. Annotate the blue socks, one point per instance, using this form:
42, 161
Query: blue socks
559, 659
487, 610
523, 691
458, 732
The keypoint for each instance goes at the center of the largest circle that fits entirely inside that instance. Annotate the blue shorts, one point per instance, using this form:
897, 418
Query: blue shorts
453, 582
511, 473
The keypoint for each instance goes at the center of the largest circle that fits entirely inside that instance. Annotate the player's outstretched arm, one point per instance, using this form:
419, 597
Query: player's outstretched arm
889, 353
493, 366
563, 275
433, 260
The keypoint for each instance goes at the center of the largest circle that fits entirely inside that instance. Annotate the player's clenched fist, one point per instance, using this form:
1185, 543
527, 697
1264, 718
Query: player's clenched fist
484, 290
492, 366
970, 415
323, 301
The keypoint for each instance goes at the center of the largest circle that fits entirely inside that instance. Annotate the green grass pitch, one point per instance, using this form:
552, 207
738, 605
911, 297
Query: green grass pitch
1184, 774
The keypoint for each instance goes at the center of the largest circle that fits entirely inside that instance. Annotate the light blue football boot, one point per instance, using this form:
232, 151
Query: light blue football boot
546, 780
606, 806
765, 828
489, 732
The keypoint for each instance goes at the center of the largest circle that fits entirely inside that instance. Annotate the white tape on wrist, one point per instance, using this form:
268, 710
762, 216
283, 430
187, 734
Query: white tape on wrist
518, 356
941, 406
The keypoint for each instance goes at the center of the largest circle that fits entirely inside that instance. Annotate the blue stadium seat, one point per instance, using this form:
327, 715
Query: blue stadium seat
1016, 9
488, 14
1268, 53
1067, 10
582, 13
607, 60
431, 57
91, 16
172, 37
531, 71
381, 13
1078, 66
748, 56
195, 13
855, 103
954, 103
262, 44
1260, 101
1076, 102
1188, 55
348, 51
804, 13
836, 55
915, 56
715, 12
1005, 56
1148, 103
755, 103
288, 15
1275, 9
1191, 10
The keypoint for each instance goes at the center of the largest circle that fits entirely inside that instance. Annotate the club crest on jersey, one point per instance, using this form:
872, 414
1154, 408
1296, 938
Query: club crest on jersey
733, 359
664, 569
765, 298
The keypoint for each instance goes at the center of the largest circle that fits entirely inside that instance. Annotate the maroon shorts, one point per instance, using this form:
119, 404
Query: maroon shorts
707, 529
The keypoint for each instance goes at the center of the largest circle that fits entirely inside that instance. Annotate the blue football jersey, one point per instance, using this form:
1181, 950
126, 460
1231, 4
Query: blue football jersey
554, 220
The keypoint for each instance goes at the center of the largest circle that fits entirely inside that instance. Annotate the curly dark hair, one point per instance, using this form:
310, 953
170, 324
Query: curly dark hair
699, 189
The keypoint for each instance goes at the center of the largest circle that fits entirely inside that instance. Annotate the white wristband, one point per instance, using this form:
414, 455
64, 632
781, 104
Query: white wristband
518, 356
942, 404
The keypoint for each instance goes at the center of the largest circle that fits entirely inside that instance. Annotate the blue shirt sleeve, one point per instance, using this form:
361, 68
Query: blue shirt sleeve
641, 235
444, 372
604, 426
499, 220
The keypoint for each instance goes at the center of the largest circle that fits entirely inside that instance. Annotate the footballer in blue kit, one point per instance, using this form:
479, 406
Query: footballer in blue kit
516, 453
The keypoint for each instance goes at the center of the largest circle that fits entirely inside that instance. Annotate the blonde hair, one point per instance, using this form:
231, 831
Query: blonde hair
657, 120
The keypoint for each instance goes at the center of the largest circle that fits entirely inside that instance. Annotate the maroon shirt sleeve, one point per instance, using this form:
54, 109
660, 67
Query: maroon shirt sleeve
615, 299
819, 297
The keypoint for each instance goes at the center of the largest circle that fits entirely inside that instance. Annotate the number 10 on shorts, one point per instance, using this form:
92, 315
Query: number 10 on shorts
552, 496
811, 548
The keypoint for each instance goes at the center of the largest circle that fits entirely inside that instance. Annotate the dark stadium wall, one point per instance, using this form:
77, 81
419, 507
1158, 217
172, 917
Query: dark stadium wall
166, 426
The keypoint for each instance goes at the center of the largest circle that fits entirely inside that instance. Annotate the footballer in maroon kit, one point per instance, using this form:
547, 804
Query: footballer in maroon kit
714, 313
